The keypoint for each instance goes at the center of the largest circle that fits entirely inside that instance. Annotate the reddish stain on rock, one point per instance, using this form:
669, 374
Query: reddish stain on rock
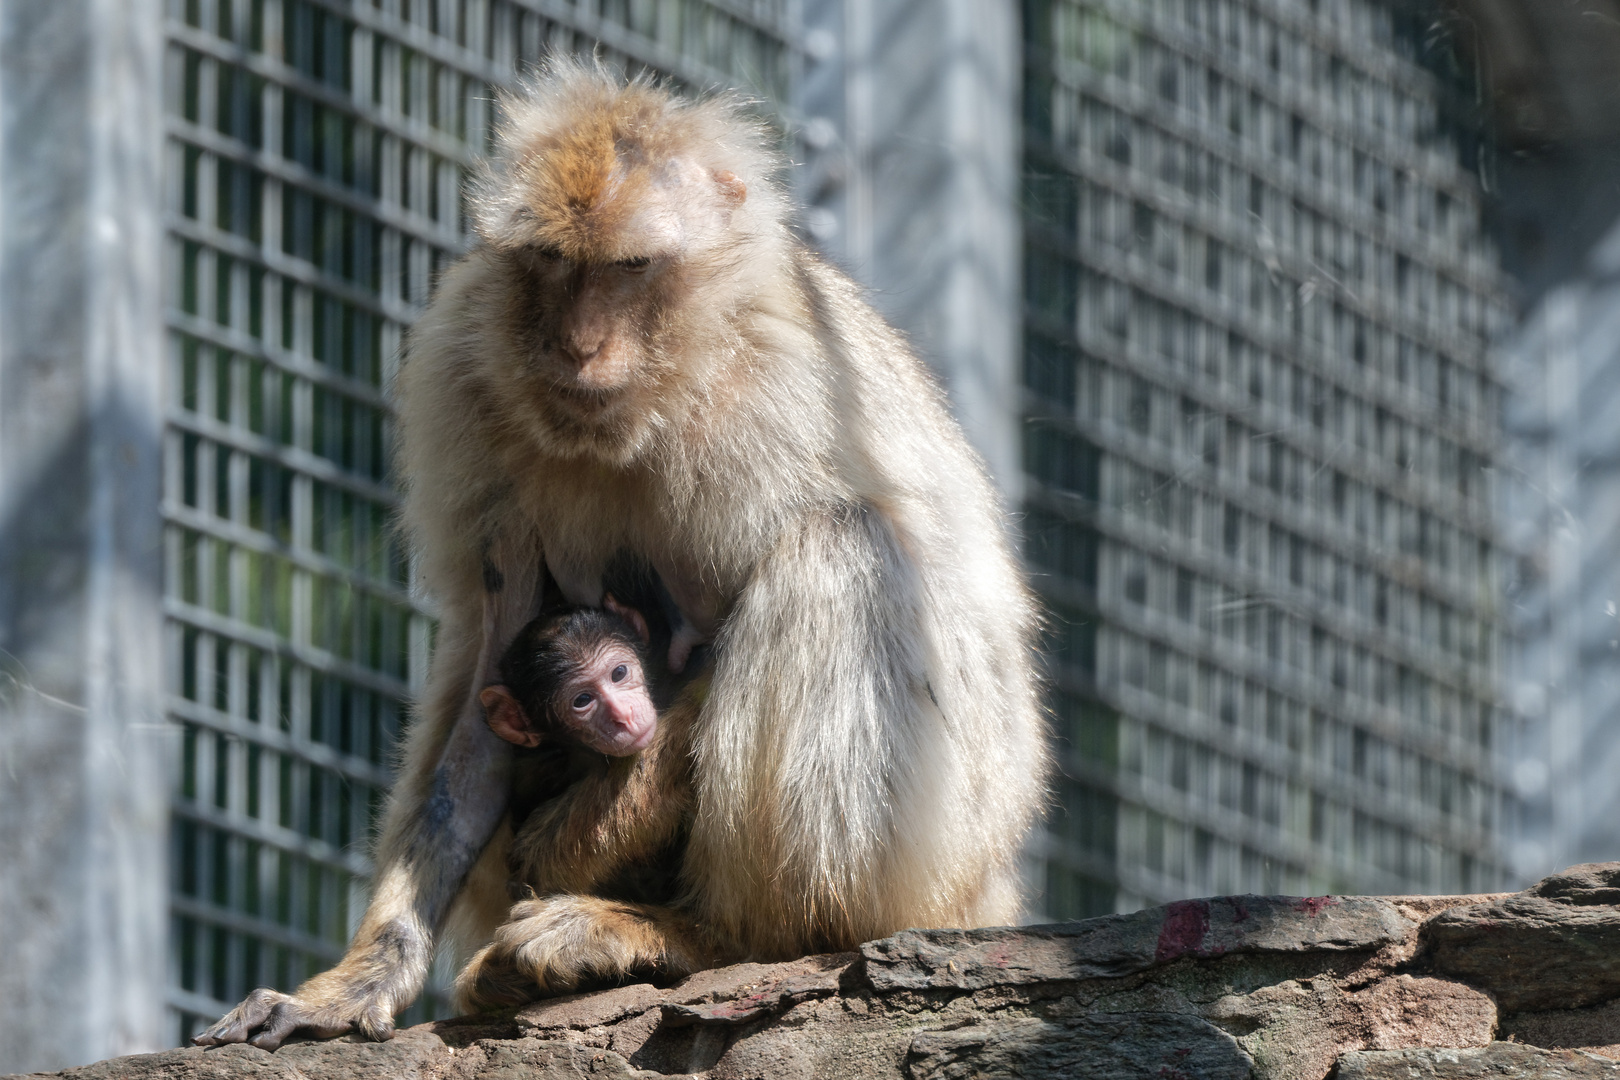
1185, 924
999, 955
1313, 905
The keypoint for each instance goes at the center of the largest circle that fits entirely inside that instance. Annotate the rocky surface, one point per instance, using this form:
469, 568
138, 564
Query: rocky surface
1500, 1060
1359, 988
1552, 946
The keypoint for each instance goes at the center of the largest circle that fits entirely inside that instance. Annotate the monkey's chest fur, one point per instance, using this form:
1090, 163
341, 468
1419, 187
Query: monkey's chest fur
591, 520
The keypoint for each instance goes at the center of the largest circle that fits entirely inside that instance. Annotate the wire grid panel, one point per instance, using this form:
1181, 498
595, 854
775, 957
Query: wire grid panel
1260, 414
316, 152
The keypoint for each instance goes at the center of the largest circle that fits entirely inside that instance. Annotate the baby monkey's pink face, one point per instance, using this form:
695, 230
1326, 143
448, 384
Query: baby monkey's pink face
590, 689
605, 704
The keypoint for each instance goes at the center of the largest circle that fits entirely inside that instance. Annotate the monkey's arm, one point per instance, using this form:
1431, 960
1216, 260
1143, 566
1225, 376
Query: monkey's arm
626, 813
444, 810
861, 720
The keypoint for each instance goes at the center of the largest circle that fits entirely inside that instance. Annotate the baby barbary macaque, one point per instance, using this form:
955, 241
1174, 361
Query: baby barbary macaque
578, 676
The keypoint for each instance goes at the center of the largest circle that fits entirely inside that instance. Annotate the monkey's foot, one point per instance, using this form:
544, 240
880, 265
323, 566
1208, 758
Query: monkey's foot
267, 1018
554, 944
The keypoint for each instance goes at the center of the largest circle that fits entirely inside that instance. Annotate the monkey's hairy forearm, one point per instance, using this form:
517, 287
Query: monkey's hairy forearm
446, 806
838, 782
627, 812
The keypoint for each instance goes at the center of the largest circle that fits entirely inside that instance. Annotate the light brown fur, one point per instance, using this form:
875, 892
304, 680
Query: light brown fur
627, 811
621, 814
869, 755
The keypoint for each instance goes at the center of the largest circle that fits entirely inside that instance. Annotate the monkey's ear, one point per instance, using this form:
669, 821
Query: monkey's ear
731, 186
629, 615
505, 716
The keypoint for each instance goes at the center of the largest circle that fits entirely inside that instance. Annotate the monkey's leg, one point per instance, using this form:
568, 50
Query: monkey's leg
442, 814
554, 944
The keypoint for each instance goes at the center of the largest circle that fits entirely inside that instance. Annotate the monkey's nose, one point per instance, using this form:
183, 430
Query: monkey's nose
583, 348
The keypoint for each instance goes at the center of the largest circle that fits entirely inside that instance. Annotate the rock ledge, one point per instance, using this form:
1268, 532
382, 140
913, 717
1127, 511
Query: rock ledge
1359, 988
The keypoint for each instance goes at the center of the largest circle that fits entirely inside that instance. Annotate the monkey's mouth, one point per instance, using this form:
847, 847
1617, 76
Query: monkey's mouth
630, 740
590, 400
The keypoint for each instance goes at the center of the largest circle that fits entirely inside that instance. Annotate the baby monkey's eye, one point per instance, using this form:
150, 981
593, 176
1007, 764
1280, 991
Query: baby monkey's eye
635, 265
582, 700
620, 672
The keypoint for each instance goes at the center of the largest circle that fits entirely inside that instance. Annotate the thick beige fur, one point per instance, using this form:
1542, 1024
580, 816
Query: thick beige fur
869, 754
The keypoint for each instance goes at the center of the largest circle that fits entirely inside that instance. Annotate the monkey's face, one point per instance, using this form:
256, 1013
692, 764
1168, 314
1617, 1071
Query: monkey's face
590, 327
605, 704
624, 249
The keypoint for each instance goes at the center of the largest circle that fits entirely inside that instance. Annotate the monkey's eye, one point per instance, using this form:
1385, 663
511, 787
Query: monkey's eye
635, 265
542, 258
582, 700
620, 672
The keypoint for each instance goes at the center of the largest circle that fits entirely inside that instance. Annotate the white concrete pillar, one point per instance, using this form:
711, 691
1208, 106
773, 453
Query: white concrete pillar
915, 188
83, 762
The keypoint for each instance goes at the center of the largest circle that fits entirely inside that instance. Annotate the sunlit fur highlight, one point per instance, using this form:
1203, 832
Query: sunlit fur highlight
591, 166
869, 754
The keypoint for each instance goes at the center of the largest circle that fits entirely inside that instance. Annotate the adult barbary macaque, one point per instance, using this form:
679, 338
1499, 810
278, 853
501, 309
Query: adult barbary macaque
638, 357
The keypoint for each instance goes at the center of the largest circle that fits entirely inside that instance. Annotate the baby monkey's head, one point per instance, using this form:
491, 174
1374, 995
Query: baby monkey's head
577, 676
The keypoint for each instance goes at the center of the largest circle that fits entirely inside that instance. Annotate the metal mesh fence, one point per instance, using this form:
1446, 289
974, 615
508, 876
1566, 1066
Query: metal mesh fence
316, 150
1261, 419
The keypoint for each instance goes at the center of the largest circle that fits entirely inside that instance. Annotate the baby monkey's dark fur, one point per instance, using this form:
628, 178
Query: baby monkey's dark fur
542, 658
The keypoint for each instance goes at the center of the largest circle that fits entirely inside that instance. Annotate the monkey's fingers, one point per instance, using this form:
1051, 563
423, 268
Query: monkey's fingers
680, 647
555, 944
491, 981
267, 1018
290, 1016
236, 1025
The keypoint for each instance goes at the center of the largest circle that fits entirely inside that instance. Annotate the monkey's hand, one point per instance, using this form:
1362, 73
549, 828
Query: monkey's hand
267, 1017
555, 944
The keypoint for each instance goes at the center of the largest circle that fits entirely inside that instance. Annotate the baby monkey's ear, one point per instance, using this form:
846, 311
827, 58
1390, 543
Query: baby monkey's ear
629, 615
506, 717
